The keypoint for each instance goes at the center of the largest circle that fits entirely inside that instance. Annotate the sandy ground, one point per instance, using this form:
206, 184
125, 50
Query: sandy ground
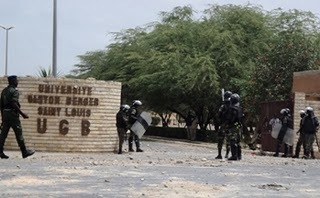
165, 169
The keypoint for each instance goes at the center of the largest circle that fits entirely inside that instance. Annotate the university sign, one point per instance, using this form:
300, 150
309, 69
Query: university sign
65, 111
77, 105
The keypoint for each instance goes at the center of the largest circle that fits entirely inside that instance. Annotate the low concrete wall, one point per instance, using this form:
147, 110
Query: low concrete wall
306, 81
306, 89
67, 115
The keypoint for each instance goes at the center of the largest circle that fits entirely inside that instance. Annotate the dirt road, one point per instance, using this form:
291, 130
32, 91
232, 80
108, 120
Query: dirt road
165, 169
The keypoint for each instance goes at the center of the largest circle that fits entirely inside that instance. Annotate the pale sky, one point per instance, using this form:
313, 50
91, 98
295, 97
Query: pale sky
83, 25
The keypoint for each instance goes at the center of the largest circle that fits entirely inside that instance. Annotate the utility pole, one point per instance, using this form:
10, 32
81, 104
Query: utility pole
54, 40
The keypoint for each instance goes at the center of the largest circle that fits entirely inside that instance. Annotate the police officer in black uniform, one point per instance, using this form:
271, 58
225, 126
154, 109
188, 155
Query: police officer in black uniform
133, 113
223, 130
310, 126
10, 111
301, 134
287, 122
122, 124
234, 119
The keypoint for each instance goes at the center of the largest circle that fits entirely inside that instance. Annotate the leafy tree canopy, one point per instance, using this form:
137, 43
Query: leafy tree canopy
182, 62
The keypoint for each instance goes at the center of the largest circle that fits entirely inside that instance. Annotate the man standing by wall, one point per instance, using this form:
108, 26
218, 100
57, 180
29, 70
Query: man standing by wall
310, 125
10, 111
301, 134
122, 125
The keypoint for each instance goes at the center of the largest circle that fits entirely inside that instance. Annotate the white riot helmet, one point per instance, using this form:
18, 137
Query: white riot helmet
124, 107
284, 111
302, 112
136, 103
288, 110
309, 110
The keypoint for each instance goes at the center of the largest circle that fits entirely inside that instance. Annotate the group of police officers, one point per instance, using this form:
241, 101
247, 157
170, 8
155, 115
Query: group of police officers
307, 133
230, 114
125, 118
231, 117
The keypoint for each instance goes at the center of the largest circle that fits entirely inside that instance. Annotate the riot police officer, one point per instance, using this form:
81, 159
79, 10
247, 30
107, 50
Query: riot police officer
10, 111
133, 114
301, 134
234, 125
222, 118
310, 126
122, 124
287, 122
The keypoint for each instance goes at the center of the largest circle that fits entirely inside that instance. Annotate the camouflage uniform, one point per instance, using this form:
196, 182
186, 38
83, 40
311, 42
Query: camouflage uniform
235, 129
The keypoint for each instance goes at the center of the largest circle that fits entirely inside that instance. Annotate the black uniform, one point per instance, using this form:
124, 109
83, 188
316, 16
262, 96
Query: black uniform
133, 114
301, 139
287, 122
310, 124
223, 130
122, 126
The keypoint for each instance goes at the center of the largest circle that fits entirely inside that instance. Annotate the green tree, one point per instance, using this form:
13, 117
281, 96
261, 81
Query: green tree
180, 63
294, 46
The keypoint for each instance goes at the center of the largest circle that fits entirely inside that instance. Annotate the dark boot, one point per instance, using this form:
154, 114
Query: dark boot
296, 154
252, 146
286, 148
306, 155
276, 154
4, 156
219, 153
130, 142
139, 150
120, 149
239, 153
137, 141
26, 153
227, 151
312, 154
234, 152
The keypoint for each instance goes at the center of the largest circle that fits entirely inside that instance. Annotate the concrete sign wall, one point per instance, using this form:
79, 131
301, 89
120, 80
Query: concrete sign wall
68, 115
